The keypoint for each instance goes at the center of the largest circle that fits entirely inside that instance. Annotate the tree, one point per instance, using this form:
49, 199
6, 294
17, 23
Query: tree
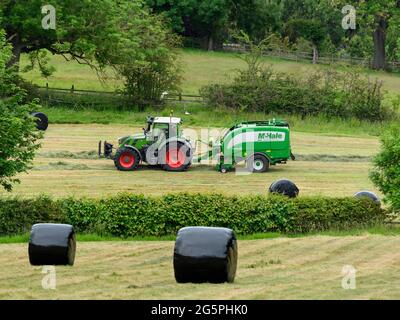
157, 70
311, 30
257, 17
386, 172
378, 16
212, 19
18, 135
326, 13
206, 18
117, 33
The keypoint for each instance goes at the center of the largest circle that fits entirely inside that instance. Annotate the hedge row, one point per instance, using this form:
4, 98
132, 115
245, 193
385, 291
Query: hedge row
332, 93
128, 215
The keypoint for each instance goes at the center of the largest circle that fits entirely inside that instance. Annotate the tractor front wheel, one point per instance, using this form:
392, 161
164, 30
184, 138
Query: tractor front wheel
127, 159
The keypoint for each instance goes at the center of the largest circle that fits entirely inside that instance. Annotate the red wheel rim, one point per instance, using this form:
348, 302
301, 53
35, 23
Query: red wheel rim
126, 160
175, 158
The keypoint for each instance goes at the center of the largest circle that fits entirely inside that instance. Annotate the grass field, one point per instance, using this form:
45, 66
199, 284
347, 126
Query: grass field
67, 165
334, 160
200, 68
200, 116
281, 268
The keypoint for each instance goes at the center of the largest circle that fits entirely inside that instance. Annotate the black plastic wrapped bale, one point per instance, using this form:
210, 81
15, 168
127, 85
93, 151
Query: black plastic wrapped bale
284, 187
369, 195
205, 255
42, 121
52, 244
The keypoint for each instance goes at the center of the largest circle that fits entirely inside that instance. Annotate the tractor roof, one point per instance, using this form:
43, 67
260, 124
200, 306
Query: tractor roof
169, 120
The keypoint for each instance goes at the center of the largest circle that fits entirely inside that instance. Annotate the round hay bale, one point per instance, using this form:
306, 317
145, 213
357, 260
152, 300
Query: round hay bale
284, 187
205, 254
369, 195
52, 244
42, 121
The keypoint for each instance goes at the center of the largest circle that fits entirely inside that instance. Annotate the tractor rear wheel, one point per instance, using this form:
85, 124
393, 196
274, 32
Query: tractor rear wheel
177, 157
257, 163
127, 159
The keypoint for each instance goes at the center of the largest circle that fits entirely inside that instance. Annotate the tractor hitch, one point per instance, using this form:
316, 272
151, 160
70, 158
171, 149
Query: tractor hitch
107, 151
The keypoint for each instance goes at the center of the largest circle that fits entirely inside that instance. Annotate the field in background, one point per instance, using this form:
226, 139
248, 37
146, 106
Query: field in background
67, 165
200, 68
200, 116
282, 268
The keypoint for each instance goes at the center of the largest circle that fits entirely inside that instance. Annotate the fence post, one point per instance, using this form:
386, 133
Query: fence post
180, 96
72, 89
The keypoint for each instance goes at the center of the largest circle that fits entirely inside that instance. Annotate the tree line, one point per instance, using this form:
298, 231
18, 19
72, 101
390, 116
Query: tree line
109, 31
314, 25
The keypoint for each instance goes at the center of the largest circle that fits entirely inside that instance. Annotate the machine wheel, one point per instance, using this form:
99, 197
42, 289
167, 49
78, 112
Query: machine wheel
177, 158
127, 159
42, 122
257, 163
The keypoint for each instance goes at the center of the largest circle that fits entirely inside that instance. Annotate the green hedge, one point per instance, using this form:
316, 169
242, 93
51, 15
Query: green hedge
334, 94
128, 215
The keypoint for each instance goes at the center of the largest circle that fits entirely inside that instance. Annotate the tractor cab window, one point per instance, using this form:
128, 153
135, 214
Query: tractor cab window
159, 132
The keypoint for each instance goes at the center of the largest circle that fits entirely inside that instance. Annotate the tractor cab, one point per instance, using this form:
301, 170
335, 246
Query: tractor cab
162, 128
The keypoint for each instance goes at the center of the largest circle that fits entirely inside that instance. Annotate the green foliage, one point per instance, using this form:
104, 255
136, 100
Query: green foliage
18, 134
311, 30
257, 18
303, 46
40, 59
194, 18
328, 92
7, 83
381, 19
121, 34
386, 172
18, 215
156, 68
129, 215
317, 214
360, 45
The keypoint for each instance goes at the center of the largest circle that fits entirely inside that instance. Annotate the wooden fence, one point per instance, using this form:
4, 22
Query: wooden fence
94, 97
308, 56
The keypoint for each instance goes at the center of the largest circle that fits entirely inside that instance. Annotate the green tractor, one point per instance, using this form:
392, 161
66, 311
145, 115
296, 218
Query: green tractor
161, 144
